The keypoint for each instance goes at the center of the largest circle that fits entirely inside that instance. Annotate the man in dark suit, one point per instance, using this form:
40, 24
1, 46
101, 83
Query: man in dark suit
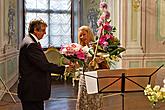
34, 69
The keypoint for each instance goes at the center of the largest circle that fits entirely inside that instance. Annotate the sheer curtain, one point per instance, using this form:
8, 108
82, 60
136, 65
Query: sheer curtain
57, 14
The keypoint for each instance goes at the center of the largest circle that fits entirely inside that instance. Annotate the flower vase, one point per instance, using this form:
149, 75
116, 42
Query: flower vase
155, 106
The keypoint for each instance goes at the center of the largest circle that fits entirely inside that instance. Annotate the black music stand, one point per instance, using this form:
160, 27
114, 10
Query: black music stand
122, 78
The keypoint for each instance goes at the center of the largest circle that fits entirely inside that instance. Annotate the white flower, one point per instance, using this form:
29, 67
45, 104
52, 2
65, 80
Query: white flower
155, 94
88, 51
156, 88
148, 86
85, 49
162, 89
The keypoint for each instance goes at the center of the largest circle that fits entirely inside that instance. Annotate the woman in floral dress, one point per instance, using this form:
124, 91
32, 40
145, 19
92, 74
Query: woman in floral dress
87, 101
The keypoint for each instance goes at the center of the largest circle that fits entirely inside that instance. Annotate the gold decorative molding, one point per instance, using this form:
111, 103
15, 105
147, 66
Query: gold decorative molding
136, 4
11, 21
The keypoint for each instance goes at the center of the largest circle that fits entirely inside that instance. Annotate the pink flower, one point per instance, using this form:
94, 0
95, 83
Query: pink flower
80, 55
102, 17
73, 45
102, 40
106, 14
103, 5
105, 44
99, 30
68, 48
73, 50
99, 22
107, 26
109, 36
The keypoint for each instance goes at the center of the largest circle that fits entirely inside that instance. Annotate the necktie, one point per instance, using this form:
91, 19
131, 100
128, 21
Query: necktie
39, 45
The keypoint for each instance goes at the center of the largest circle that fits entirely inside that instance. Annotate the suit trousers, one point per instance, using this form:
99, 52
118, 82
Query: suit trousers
32, 105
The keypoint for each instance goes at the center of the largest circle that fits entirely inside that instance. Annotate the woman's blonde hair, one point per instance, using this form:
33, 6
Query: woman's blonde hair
89, 33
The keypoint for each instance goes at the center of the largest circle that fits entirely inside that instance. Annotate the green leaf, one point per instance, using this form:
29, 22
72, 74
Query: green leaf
117, 51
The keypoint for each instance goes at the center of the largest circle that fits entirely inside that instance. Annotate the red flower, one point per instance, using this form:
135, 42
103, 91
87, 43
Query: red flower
109, 36
102, 40
107, 26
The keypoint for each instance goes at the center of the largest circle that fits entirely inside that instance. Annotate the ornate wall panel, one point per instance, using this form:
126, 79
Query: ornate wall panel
154, 27
134, 64
12, 67
160, 19
2, 70
9, 42
154, 63
3, 76
144, 33
1, 25
133, 42
90, 13
10, 21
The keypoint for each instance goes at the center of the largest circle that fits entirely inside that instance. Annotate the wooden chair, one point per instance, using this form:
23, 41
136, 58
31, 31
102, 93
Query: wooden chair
54, 56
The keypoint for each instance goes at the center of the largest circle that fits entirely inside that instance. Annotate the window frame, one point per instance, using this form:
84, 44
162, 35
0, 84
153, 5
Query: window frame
50, 11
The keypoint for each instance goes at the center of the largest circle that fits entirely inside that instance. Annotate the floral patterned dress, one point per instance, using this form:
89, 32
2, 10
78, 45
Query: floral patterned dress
88, 101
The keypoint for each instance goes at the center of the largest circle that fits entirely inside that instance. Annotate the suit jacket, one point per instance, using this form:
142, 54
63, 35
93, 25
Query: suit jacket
35, 72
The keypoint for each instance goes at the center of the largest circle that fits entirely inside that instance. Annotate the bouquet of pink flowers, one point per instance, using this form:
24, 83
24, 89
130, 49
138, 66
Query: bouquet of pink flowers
74, 52
107, 44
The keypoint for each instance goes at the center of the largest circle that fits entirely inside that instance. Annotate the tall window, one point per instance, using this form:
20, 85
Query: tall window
57, 14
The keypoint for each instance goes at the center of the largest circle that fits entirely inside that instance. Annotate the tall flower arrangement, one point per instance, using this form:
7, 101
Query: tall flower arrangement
107, 45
